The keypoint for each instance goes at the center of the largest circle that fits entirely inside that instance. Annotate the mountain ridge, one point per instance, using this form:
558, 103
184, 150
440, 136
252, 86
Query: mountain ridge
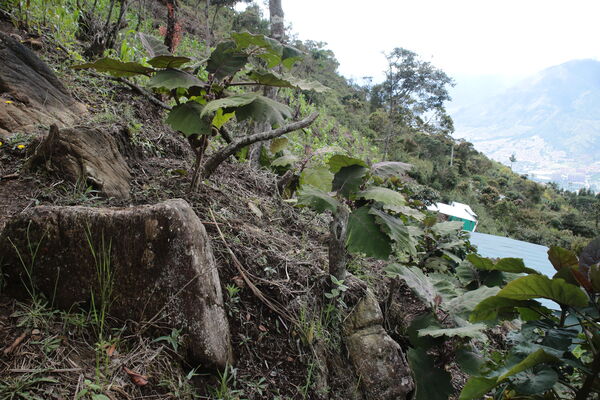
550, 121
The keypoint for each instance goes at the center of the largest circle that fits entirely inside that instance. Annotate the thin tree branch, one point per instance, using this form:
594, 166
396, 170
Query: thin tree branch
136, 88
221, 155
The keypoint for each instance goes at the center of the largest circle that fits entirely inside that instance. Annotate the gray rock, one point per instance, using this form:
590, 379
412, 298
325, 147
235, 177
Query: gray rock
378, 360
35, 94
161, 261
87, 155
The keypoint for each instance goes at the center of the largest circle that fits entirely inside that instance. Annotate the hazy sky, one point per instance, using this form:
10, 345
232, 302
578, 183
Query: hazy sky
463, 37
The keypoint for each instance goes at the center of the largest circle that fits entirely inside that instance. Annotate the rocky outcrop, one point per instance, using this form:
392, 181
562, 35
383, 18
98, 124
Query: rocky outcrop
160, 260
30, 93
84, 155
378, 360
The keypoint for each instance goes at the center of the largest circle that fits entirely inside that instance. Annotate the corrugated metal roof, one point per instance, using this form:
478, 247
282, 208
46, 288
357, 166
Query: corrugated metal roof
454, 209
533, 255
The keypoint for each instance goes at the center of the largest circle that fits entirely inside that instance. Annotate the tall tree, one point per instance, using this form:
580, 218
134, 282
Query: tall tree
277, 20
278, 33
413, 94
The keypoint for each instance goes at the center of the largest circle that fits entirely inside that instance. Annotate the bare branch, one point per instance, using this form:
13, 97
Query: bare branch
136, 88
222, 154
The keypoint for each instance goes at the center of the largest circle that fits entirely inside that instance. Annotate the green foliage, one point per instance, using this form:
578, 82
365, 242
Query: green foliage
539, 286
317, 199
190, 92
171, 79
544, 346
432, 383
186, 118
365, 235
116, 67
370, 230
173, 339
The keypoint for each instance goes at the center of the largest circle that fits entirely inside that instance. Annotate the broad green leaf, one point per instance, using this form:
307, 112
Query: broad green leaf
439, 264
493, 307
290, 56
226, 60
154, 46
243, 40
416, 280
173, 79
283, 161
364, 235
534, 381
278, 144
465, 303
512, 265
231, 102
421, 322
561, 258
407, 211
273, 52
452, 256
533, 359
263, 109
186, 119
275, 79
388, 169
469, 361
340, 161
116, 68
168, 61
319, 177
476, 387
540, 286
383, 195
447, 228
473, 331
432, 383
316, 199
466, 274
347, 181
445, 285
590, 255
480, 262
221, 118
251, 105
395, 229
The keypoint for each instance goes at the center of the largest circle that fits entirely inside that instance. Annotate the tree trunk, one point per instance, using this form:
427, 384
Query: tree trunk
207, 30
277, 20
337, 243
277, 33
171, 22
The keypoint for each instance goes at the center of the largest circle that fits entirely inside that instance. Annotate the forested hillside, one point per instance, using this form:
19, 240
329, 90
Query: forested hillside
197, 205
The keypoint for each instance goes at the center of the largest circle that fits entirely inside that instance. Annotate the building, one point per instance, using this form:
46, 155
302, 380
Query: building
457, 212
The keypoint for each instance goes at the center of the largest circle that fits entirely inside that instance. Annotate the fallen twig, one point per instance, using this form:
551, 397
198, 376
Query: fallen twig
272, 304
136, 88
9, 176
48, 371
15, 344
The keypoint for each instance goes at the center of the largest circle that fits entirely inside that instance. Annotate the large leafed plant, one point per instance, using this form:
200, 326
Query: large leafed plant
204, 105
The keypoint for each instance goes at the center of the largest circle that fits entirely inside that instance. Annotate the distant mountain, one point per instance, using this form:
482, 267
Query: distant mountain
551, 121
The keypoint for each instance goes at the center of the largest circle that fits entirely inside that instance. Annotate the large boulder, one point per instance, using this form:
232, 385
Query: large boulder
378, 360
30, 93
84, 155
160, 261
